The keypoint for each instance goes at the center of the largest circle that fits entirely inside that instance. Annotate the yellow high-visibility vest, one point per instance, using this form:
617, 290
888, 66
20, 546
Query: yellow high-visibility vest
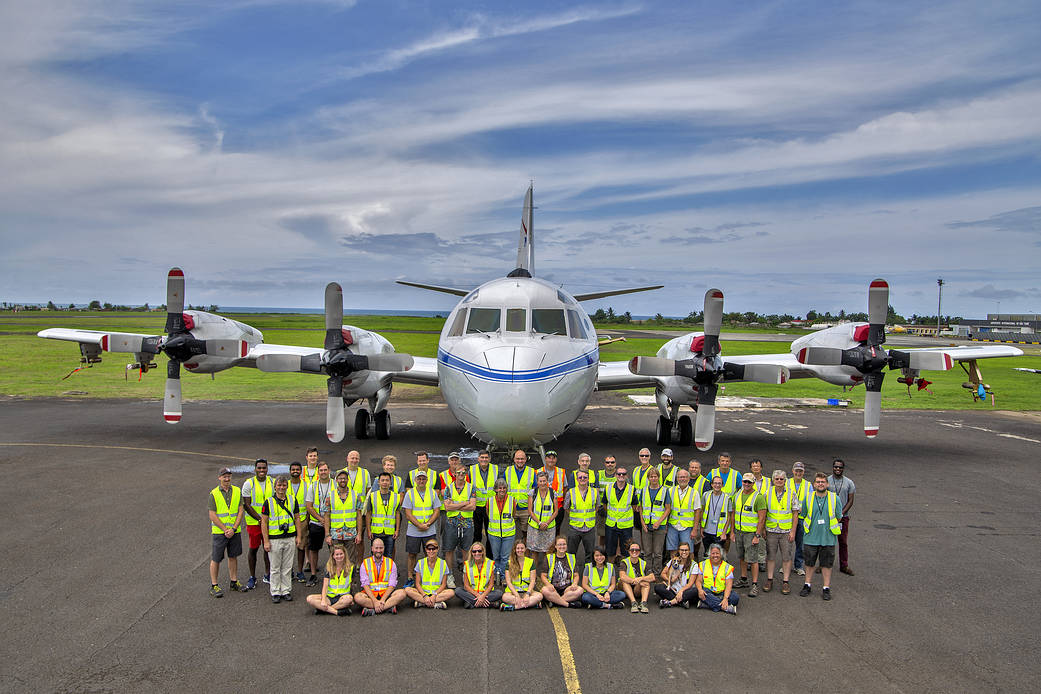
227, 512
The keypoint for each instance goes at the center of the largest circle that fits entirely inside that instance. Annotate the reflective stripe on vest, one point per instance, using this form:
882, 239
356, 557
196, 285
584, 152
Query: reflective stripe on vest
422, 508
501, 524
683, 509
600, 580
556, 483
619, 508
480, 577
360, 482
834, 526
300, 496
640, 476
378, 580
519, 485
543, 509
633, 571
551, 561
278, 516
412, 476
226, 512
746, 518
652, 508
430, 578
778, 514
340, 585
266, 492
715, 579
383, 514
523, 582
484, 486
668, 479
802, 492
343, 513
763, 484
731, 484
583, 509
458, 497
708, 503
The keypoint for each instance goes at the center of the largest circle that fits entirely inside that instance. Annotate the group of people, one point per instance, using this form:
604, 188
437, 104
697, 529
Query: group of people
501, 530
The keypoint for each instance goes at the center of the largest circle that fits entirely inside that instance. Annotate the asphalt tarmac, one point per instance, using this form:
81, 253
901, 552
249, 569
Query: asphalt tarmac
104, 584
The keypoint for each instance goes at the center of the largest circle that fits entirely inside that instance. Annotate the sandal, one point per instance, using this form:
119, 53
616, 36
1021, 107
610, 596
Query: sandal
785, 588
769, 585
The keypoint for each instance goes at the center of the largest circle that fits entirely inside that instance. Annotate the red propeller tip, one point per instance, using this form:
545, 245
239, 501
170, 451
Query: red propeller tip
176, 272
871, 433
172, 418
716, 294
880, 283
801, 356
703, 445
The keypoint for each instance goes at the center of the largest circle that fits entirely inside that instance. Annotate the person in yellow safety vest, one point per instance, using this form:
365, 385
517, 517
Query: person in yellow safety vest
701, 485
715, 583
634, 577
521, 591
310, 473
640, 472
782, 517
543, 510
483, 476
558, 483
604, 479
335, 597
430, 584
283, 531
731, 478
520, 480
685, 502
618, 525
422, 463
501, 530
397, 485
678, 579
298, 490
560, 577
798, 485
459, 503
455, 469
822, 527
226, 511
599, 581
379, 579
716, 517
344, 520
255, 491
654, 507
421, 509
317, 502
478, 589
360, 479
580, 503
667, 469
584, 461
749, 526
382, 513
762, 484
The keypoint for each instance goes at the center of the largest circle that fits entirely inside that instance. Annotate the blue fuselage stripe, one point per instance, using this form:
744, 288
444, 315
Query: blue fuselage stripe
590, 358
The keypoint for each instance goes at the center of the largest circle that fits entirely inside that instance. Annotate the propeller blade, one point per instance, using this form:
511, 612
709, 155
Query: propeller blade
235, 349
279, 363
333, 316
334, 416
757, 373
172, 399
878, 311
125, 342
652, 366
705, 422
927, 361
872, 403
820, 356
175, 301
390, 361
713, 321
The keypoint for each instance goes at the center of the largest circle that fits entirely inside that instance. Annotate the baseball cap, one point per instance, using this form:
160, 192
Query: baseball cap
223, 471
748, 477
421, 473
798, 466
343, 472
667, 451
453, 454
551, 453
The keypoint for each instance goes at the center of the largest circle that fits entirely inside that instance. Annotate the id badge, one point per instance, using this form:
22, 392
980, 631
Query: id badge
820, 521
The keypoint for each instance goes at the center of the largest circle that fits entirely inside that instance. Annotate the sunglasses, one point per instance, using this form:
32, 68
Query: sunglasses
430, 547
645, 455
634, 549
623, 474
476, 551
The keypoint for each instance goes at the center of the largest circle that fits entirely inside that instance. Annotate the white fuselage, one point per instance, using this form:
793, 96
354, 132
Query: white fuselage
517, 361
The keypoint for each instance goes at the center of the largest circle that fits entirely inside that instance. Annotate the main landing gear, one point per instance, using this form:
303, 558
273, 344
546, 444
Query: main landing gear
375, 425
679, 431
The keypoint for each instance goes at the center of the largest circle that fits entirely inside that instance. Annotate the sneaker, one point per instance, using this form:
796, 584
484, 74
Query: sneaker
441, 605
663, 603
506, 608
805, 590
267, 579
643, 608
276, 599
251, 583
312, 581
300, 578
732, 609
848, 571
451, 581
288, 597
317, 611
826, 594
216, 591
575, 604
367, 612
393, 610
698, 604
606, 606
344, 612
410, 583
800, 572
686, 605
754, 591
741, 582
538, 605
415, 604
635, 609
237, 587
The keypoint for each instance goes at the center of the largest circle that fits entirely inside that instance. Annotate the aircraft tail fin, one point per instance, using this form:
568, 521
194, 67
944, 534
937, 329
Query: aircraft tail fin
526, 243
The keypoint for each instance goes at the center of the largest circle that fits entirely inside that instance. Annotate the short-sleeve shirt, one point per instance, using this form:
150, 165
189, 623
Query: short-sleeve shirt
712, 506
562, 572
411, 530
225, 494
820, 533
679, 578
321, 491
843, 486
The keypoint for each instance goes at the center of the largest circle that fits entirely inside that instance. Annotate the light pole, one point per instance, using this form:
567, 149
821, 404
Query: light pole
939, 305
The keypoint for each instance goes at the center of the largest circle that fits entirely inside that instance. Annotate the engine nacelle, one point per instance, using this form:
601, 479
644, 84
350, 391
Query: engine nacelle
209, 326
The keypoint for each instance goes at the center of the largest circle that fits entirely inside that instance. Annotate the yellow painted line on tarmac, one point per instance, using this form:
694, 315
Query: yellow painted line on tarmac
129, 448
567, 658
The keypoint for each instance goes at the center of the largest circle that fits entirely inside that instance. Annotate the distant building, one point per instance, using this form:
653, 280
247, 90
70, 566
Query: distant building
1004, 323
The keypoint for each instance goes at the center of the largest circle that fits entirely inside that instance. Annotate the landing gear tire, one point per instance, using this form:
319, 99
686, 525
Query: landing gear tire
663, 431
361, 424
686, 431
381, 421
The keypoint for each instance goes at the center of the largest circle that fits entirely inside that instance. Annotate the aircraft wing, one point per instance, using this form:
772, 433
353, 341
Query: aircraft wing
90, 337
969, 352
422, 373
615, 375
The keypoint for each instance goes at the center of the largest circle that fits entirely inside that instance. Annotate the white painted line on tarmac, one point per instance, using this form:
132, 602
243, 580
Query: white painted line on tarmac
764, 430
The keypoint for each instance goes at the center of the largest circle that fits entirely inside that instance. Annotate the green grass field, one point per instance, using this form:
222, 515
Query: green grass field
30, 366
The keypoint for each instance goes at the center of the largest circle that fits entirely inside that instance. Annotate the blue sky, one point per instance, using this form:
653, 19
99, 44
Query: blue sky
786, 152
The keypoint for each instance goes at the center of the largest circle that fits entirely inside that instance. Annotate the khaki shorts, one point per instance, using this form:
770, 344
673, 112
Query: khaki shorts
778, 548
747, 551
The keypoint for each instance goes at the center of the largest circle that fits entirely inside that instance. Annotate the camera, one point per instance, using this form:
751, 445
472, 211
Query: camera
284, 527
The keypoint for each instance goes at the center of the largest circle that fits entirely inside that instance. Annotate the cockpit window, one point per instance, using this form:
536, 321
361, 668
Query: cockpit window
516, 319
548, 321
578, 330
457, 323
483, 320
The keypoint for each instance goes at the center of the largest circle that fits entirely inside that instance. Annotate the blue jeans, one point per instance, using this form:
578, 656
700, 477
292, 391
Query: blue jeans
674, 537
799, 532
616, 540
616, 597
500, 548
714, 601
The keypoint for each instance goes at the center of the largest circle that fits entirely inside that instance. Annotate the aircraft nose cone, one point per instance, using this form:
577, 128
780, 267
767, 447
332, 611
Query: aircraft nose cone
515, 360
